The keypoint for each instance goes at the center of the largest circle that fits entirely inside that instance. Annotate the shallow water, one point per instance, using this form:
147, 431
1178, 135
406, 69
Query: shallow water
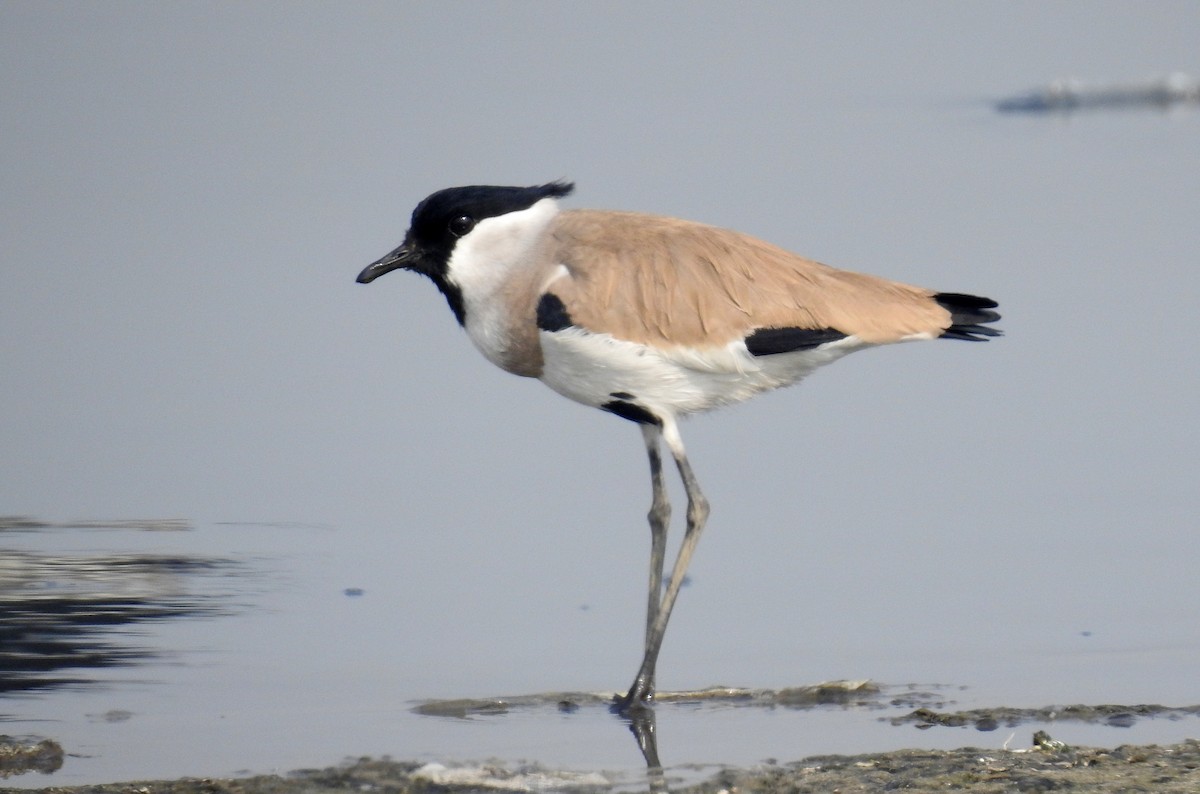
272, 660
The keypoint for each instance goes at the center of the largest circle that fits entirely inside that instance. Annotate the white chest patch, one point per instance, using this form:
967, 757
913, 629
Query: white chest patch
596, 369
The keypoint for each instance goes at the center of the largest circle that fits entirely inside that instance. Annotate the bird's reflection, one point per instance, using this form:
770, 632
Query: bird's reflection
645, 731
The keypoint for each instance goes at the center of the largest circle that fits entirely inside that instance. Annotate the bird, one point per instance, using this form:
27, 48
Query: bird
653, 319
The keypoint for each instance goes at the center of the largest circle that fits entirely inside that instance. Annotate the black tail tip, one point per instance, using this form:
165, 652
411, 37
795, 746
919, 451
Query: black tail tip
968, 313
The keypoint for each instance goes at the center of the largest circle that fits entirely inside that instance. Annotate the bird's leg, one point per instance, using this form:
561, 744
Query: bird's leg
642, 690
660, 519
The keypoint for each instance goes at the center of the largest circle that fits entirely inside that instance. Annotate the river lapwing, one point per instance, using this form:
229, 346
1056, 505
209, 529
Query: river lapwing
652, 319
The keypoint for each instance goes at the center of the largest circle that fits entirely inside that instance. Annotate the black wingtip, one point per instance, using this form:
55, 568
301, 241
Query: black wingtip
967, 315
971, 332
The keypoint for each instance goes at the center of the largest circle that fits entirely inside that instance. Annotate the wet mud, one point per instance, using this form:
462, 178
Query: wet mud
19, 755
856, 694
990, 719
1043, 764
1172, 769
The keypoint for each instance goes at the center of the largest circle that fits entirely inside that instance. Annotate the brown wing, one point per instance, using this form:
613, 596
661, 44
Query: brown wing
664, 281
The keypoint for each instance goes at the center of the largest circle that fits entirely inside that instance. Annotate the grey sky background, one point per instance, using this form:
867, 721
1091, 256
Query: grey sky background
188, 191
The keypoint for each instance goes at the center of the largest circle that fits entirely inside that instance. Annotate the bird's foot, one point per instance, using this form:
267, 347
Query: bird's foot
627, 706
637, 701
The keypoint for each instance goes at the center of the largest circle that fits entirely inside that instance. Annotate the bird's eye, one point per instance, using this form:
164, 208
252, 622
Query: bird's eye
461, 224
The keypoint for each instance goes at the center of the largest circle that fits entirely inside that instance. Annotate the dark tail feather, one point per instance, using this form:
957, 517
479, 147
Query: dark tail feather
967, 315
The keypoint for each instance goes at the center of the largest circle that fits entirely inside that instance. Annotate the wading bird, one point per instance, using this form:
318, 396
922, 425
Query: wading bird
651, 319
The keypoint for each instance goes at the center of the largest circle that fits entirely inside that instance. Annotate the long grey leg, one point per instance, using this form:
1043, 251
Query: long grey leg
660, 519
642, 690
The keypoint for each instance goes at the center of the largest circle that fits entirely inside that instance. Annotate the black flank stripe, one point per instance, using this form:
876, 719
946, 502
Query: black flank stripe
632, 412
769, 341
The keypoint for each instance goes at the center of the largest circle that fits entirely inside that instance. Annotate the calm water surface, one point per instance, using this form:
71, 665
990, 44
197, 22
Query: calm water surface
274, 656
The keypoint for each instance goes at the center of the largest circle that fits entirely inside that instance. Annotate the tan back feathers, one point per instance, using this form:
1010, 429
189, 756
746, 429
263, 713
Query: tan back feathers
663, 281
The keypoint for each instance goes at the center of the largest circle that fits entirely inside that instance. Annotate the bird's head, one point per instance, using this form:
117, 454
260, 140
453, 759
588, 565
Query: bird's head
447, 216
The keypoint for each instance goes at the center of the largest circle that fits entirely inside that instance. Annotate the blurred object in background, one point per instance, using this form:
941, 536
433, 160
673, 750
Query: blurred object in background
1067, 94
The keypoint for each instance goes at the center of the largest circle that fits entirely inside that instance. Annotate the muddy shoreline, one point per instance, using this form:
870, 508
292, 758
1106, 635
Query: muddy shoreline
1049, 767
1041, 764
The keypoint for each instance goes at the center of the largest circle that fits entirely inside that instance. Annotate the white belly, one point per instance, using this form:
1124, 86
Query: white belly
596, 369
